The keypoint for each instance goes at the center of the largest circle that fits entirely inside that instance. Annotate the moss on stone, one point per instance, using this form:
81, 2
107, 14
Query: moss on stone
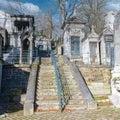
116, 79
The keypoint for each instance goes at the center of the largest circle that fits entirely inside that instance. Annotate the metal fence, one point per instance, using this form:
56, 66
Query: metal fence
13, 56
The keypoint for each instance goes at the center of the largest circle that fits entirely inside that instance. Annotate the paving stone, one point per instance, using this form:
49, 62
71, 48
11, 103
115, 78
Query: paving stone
108, 113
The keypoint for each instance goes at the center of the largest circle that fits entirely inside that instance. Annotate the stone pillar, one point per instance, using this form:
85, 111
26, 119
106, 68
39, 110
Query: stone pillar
20, 59
98, 53
115, 73
20, 49
59, 50
31, 50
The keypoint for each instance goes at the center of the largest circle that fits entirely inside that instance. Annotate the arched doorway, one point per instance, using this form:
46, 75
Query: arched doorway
26, 44
25, 50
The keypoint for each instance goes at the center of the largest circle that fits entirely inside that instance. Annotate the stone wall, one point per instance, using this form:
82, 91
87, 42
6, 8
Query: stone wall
15, 76
97, 79
0, 76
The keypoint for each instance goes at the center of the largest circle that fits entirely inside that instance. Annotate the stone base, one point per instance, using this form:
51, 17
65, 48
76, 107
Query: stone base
116, 72
115, 87
115, 100
115, 84
28, 108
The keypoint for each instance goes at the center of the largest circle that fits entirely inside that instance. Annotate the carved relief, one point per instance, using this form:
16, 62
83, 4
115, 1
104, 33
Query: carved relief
75, 31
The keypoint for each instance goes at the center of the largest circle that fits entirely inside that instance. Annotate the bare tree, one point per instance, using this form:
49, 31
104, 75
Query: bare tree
48, 21
92, 12
66, 8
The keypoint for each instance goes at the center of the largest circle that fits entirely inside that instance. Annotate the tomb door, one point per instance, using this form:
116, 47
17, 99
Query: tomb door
109, 50
25, 50
109, 53
93, 51
75, 46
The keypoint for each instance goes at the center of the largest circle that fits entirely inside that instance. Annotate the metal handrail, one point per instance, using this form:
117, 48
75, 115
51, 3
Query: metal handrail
59, 92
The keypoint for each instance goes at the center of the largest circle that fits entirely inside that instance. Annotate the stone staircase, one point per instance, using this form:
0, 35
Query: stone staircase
97, 78
71, 93
46, 89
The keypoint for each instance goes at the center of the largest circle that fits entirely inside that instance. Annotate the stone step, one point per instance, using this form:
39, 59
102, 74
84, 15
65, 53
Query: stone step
76, 107
67, 69
43, 77
75, 94
46, 66
67, 73
47, 75
70, 82
77, 101
39, 94
46, 97
47, 87
48, 83
48, 102
71, 87
47, 105
46, 93
46, 79
44, 71
46, 90
71, 90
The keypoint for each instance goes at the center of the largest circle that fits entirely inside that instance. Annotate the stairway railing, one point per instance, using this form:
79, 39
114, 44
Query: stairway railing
59, 92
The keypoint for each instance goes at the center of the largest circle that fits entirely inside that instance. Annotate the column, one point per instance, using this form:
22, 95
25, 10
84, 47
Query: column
31, 50
20, 59
115, 73
20, 49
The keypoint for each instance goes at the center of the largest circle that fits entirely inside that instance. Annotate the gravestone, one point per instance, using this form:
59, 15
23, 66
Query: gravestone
115, 78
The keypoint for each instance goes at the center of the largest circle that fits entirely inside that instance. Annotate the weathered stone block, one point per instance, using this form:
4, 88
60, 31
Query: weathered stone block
28, 108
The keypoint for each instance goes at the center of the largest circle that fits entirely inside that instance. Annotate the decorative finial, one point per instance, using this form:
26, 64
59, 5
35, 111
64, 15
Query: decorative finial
93, 29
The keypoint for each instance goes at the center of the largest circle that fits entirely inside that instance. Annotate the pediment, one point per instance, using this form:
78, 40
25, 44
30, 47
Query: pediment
108, 31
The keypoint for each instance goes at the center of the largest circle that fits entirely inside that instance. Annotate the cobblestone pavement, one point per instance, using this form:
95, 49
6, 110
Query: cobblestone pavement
109, 113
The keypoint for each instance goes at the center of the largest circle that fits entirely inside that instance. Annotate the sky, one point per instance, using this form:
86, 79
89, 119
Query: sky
33, 6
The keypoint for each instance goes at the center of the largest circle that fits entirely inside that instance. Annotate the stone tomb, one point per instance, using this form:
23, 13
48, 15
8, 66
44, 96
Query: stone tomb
72, 39
90, 48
